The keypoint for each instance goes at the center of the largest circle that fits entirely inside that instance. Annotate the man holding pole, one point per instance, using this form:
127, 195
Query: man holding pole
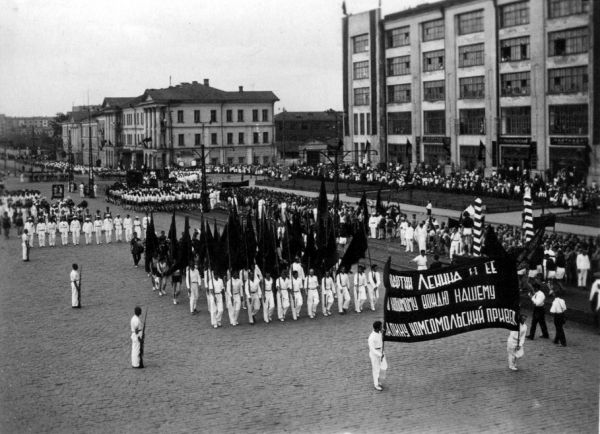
378, 363
137, 339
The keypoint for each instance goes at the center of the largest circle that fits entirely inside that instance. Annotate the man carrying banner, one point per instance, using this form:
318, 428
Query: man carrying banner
539, 315
515, 342
269, 301
192, 281
327, 288
421, 261
283, 285
296, 293
343, 292
254, 295
235, 286
312, 295
376, 355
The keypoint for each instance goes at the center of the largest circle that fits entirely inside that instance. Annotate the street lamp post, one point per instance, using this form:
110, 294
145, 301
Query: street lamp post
90, 156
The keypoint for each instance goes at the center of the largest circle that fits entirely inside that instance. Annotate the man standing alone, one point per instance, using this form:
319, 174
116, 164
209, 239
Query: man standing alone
376, 354
137, 339
75, 287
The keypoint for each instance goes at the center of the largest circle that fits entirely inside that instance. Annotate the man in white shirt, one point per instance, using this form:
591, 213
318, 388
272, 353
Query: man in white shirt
539, 315
253, 295
234, 291
515, 342
558, 310
409, 235
269, 300
283, 284
75, 287
107, 226
421, 261
360, 288
216, 288
40, 229
595, 298
137, 228
137, 339
63, 228
98, 229
455, 238
312, 299
128, 226
583, 267
373, 222
297, 284
327, 290
51, 229
30, 227
193, 280
75, 229
373, 283
376, 354
118, 225
88, 228
343, 291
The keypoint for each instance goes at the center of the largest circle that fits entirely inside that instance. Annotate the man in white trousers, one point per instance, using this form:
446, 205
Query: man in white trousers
312, 297
376, 354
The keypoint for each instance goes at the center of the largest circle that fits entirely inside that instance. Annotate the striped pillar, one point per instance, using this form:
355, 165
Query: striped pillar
477, 228
528, 215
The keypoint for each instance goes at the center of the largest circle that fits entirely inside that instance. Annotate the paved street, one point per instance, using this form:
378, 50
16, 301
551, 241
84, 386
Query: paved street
67, 370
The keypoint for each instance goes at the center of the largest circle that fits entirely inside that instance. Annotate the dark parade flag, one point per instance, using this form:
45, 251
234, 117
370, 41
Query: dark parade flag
545, 220
364, 209
310, 253
432, 304
492, 247
250, 242
408, 150
235, 242
322, 205
173, 238
151, 244
184, 252
215, 233
355, 250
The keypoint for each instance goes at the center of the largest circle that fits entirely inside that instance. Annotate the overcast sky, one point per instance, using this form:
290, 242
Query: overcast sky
53, 52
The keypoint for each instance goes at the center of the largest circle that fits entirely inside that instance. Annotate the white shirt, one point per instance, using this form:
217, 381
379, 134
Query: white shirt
421, 262
136, 326
342, 280
517, 337
558, 305
74, 276
583, 262
360, 279
595, 289
312, 282
538, 298
375, 344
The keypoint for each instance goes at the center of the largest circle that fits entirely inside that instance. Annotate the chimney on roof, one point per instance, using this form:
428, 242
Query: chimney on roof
241, 88
206, 82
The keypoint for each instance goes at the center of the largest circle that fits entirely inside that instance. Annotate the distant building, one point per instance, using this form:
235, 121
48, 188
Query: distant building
25, 125
307, 135
438, 82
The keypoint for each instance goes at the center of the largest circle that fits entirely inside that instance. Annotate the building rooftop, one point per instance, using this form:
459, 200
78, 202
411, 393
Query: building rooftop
424, 8
197, 92
309, 116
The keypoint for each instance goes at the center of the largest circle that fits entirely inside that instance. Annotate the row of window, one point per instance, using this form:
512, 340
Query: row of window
214, 139
510, 15
228, 116
362, 124
560, 81
242, 160
563, 120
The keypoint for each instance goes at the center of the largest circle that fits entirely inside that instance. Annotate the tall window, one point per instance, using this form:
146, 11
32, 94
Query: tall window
472, 87
213, 139
433, 60
471, 22
355, 123
515, 84
360, 43
433, 30
180, 116
255, 138
230, 138
515, 49
472, 121
566, 42
397, 37
398, 65
181, 140
568, 80
213, 116
470, 55
562, 8
434, 122
362, 124
229, 115
368, 122
241, 138
361, 70
398, 93
197, 139
196, 116
265, 137
399, 122
240, 115
265, 115
514, 14
361, 96
434, 90
516, 121
569, 119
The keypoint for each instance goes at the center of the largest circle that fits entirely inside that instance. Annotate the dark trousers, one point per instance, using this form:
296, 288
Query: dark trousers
559, 322
136, 258
538, 317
